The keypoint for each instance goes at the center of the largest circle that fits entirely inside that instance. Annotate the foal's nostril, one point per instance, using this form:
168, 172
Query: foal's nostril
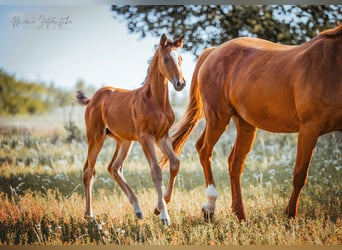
179, 85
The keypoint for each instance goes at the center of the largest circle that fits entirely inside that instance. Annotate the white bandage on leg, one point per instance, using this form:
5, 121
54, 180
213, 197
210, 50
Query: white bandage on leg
211, 194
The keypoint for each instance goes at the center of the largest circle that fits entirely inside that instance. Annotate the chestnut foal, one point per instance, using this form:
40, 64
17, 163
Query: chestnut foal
143, 115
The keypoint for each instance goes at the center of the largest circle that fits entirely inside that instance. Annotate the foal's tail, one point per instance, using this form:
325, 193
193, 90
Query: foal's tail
81, 97
193, 113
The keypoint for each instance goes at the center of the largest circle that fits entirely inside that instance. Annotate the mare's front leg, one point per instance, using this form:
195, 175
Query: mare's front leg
165, 146
147, 143
205, 146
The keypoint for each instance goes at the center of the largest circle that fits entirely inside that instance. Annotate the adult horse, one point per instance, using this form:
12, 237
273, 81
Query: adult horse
278, 88
143, 115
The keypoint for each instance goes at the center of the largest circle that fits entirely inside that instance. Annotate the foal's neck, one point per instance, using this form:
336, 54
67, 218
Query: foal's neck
157, 84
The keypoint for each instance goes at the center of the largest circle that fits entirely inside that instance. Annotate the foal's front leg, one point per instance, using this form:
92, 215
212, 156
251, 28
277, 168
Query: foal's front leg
165, 146
147, 143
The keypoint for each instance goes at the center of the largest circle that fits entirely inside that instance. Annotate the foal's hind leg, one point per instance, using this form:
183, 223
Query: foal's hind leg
95, 142
115, 169
165, 146
243, 144
147, 143
307, 138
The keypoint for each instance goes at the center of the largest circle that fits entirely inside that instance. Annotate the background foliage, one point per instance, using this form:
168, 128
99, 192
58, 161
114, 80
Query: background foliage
19, 97
23, 97
211, 25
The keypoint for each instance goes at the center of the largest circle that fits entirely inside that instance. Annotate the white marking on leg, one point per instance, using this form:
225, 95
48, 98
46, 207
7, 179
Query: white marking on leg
164, 215
91, 214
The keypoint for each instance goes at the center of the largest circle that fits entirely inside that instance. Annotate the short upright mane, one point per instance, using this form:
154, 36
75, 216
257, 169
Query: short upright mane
332, 32
149, 61
148, 69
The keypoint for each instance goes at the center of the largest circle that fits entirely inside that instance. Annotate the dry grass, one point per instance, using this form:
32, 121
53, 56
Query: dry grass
42, 195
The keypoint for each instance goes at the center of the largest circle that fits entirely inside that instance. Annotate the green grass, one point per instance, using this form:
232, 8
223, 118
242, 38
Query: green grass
42, 195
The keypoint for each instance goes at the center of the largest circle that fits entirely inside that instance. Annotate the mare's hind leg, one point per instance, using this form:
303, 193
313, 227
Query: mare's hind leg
115, 169
205, 145
95, 142
236, 161
147, 143
165, 146
307, 138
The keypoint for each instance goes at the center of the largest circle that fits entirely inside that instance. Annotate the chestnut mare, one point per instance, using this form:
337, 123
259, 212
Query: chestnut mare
143, 115
278, 88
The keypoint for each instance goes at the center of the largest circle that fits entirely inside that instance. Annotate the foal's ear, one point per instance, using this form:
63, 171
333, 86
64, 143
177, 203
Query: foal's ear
163, 40
179, 42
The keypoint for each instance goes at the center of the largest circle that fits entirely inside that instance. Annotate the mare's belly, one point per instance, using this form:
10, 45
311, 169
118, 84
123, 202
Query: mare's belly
276, 117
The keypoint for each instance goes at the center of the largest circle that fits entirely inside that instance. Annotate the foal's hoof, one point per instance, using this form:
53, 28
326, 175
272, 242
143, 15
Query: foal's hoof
166, 222
156, 211
88, 216
139, 215
207, 215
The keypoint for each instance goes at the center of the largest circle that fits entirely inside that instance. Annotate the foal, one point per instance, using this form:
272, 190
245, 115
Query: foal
143, 115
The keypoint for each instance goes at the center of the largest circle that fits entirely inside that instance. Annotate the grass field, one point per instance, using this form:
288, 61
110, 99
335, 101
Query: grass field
42, 192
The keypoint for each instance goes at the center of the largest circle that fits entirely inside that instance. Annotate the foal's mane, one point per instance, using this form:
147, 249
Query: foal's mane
149, 60
148, 69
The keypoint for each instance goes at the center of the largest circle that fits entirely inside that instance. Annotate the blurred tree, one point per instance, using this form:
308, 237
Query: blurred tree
81, 85
21, 97
211, 25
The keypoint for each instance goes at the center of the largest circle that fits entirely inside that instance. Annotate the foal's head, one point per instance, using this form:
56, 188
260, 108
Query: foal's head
170, 61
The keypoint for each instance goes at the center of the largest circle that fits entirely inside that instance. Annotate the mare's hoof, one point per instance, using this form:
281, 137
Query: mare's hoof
166, 222
139, 215
208, 216
156, 211
290, 215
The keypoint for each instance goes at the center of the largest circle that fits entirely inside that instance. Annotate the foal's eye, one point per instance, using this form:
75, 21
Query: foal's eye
166, 59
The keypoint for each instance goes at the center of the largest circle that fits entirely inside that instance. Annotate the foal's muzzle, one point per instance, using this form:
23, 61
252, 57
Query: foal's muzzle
179, 84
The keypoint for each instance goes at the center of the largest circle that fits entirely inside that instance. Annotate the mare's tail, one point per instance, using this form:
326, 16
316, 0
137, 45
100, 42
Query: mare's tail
81, 97
193, 113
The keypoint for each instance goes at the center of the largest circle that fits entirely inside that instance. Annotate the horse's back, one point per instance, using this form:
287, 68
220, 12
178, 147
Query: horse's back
274, 86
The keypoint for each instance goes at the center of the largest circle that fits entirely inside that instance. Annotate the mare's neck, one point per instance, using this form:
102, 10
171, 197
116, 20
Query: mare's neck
156, 84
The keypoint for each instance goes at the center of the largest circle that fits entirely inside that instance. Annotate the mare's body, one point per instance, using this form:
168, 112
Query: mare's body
264, 85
